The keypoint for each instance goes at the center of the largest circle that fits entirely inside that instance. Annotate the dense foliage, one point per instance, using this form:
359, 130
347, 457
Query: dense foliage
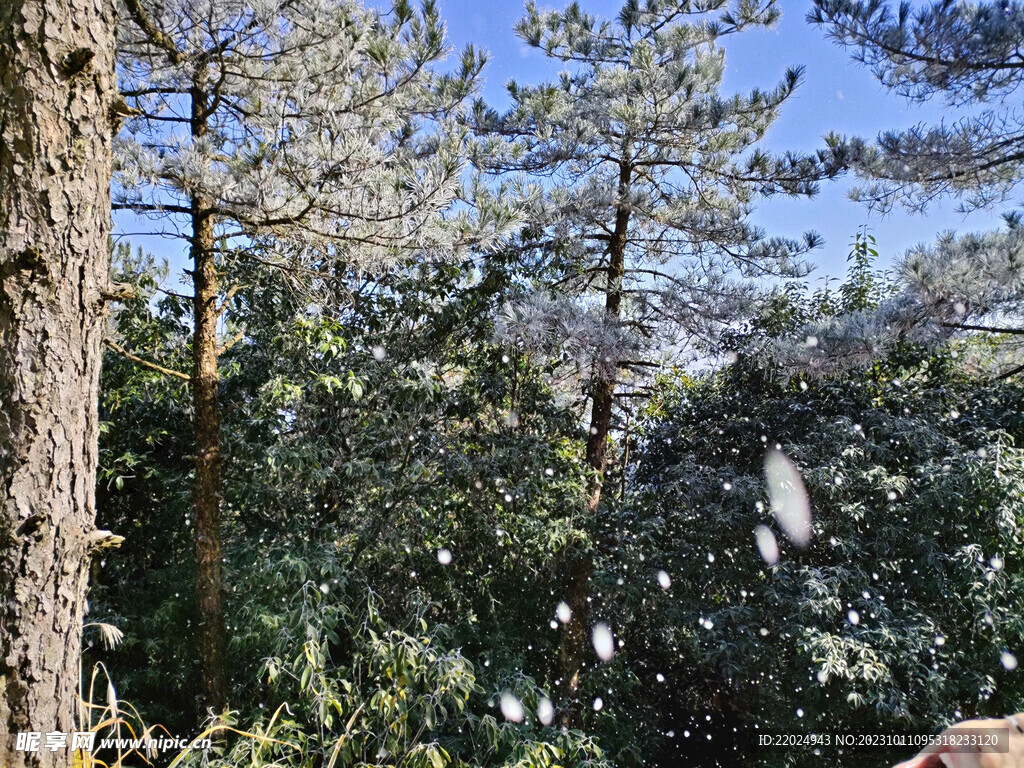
401, 490
897, 615
389, 449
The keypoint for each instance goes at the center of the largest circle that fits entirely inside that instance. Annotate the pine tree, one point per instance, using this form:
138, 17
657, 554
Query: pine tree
965, 54
56, 87
307, 134
645, 176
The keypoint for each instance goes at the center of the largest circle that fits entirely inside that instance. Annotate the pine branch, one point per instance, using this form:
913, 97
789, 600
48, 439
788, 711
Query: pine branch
156, 36
986, 328
1010, 373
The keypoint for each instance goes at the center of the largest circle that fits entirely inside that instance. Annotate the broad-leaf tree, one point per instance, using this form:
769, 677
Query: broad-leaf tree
367, 441
903, 613
903, 608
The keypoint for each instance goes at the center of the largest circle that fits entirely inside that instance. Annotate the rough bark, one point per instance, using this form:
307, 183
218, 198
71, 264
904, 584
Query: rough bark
207, 492
579, 564
56, 90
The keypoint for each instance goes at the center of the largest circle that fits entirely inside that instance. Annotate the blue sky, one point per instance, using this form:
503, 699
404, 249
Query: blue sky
837, 94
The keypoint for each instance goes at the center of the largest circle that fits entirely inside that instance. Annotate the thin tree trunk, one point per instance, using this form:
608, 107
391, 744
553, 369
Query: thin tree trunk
579, 565
57, 85
207, 492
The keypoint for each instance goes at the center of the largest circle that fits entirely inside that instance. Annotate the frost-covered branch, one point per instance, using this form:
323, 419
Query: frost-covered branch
964, 53
972, 283
320, 121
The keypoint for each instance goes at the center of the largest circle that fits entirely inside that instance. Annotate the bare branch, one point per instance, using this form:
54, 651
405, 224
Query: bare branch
146, 363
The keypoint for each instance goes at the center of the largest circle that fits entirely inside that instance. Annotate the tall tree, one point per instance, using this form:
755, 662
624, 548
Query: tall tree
57, 85
648, 174
963, 53
309, 134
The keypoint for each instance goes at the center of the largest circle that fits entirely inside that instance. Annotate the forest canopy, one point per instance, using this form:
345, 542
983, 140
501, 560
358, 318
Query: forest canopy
462, 433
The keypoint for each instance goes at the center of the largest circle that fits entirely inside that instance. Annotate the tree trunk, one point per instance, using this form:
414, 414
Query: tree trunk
579, 565
207, 492
57, 84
